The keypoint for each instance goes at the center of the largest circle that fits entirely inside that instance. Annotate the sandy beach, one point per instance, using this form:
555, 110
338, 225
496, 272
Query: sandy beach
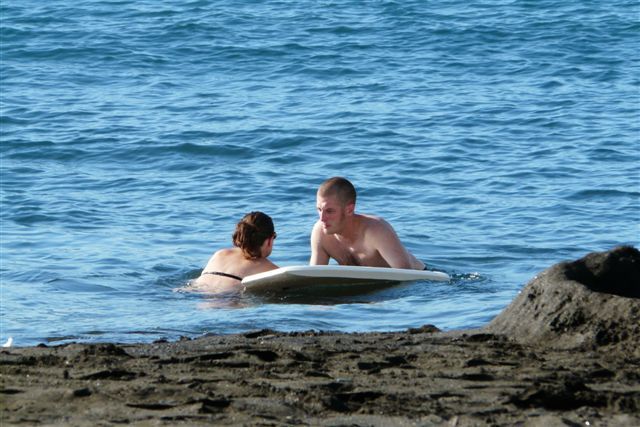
563, 372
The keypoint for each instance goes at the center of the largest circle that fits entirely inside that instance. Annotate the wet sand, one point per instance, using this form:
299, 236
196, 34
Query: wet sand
266, 378
418, 377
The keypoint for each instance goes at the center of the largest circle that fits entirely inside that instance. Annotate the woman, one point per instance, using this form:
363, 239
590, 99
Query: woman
253, 241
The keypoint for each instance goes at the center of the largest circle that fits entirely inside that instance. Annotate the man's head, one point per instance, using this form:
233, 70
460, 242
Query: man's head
340, 188
335, 201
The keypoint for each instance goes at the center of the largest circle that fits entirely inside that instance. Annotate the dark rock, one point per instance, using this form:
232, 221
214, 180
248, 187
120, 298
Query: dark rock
424, 329
82, 392
111, 374
264, 355
151, 406
616, 272
561, 396
212, 406
214, 356
591, 302
104, 350
260, 333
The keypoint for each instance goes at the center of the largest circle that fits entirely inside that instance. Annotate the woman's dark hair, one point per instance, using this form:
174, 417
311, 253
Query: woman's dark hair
251, 232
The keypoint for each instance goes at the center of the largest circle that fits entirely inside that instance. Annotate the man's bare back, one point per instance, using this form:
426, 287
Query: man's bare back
355, 239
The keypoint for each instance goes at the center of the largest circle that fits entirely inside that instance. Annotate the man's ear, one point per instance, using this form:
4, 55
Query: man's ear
350, 208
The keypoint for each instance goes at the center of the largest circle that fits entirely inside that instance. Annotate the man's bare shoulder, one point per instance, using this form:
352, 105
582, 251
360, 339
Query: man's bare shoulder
375, 224
316, 231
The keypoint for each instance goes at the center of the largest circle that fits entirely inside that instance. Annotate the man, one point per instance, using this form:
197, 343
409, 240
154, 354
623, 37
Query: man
351, 238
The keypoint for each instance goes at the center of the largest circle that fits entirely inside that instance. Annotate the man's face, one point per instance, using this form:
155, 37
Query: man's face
331, 212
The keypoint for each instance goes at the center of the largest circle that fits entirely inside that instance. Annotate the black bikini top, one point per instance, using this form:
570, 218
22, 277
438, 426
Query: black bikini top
219, 273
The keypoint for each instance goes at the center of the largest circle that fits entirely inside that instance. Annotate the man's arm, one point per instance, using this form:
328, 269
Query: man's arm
318, 255
388, 244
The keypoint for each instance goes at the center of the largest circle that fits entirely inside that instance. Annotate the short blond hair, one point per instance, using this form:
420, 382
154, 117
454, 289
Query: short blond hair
339, 187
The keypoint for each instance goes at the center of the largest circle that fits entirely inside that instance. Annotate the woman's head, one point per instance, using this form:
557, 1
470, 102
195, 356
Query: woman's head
251, 232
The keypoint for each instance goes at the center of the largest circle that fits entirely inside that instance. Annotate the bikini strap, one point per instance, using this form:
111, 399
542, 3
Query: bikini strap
219, 273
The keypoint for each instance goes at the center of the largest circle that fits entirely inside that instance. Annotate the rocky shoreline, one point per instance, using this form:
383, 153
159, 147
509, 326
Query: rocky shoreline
565, 352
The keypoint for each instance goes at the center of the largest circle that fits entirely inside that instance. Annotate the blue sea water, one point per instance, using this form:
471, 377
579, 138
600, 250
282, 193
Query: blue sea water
497, 137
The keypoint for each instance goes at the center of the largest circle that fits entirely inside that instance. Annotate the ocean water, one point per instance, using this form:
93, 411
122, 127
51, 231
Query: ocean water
497, 137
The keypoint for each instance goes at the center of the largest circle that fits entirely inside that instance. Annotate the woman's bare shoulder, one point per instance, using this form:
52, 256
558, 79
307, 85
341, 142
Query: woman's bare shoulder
265, 265
225, 253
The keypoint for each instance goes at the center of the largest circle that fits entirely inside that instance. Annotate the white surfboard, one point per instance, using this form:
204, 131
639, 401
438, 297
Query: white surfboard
342, 277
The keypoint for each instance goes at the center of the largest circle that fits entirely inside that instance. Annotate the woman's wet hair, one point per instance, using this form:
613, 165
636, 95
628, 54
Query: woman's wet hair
251, 232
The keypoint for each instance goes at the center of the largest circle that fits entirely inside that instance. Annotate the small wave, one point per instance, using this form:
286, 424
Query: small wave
462, 278
58, 339
602, 194
71, 285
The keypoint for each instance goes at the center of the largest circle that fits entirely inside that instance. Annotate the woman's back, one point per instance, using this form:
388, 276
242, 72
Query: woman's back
254, 237
217, 274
